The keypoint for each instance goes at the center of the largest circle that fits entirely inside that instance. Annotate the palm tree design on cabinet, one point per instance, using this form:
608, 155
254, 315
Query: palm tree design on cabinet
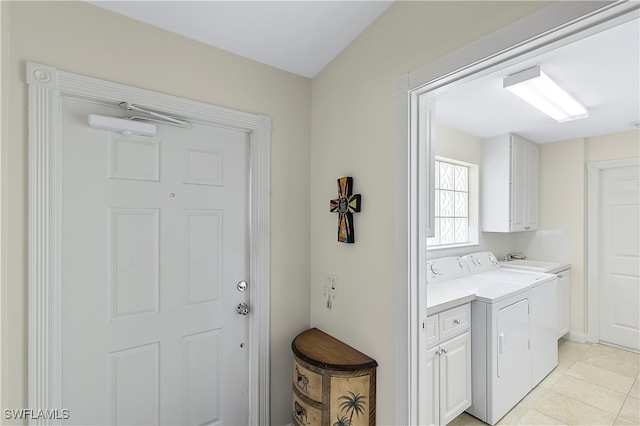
351, 404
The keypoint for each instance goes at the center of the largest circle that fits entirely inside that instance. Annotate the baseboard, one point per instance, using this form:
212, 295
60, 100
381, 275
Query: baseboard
576, 337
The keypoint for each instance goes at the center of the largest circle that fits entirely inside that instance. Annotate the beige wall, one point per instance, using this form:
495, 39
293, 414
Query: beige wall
613, 147
563, 216
353, 135
81, 38
563, 208
457, 145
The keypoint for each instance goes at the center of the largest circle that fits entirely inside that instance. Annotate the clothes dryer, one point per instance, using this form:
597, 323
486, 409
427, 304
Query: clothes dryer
543, 300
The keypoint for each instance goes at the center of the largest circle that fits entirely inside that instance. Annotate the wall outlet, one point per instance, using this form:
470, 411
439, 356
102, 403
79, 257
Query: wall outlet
329, 287
330, 283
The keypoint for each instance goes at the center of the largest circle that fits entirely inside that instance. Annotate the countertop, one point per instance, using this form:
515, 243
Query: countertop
536, 266
440, 298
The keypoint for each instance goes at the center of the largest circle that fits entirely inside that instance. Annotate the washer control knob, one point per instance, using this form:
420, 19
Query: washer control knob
435, 270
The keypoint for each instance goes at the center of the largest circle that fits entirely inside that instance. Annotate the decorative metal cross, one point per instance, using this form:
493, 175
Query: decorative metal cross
346, 204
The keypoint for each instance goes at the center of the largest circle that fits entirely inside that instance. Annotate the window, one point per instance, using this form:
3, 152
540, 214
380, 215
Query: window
455, 204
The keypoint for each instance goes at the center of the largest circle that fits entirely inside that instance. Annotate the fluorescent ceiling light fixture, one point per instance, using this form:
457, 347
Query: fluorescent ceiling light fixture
120, 125
535, 87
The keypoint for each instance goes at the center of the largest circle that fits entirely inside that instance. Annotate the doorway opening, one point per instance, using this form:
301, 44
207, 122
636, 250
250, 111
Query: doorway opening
553, 26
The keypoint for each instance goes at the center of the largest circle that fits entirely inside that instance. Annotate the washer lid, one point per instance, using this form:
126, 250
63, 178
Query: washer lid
496, 291
486, 290
536, 266
521, 277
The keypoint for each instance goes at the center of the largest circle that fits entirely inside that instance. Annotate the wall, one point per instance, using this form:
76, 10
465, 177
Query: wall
563, 209
353, 134
82, 38
613, 147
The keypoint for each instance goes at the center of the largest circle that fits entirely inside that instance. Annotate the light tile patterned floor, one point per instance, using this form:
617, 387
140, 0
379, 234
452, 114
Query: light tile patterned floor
593, 385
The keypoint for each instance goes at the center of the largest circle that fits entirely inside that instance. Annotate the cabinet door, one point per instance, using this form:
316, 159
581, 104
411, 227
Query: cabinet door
455, 377
432, 400
524, 184
532, 177
563, 302
518, 184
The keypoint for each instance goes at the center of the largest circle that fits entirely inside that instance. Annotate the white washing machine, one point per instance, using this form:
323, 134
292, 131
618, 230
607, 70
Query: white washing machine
500, 334
543, 300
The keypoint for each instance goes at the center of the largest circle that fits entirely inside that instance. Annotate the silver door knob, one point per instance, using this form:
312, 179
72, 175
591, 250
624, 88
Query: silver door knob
242, 309
242, 286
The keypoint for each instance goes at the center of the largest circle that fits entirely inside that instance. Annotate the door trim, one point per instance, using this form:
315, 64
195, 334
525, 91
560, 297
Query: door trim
594, 171
47, 86
548, 28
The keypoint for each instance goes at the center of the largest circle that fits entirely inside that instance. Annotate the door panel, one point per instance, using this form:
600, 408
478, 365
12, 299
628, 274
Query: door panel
432, 399
620, 257
513, 337
455, 377
544, 329
511, 379
154, 240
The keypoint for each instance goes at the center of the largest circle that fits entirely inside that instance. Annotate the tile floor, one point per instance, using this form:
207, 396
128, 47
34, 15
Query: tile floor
593, 385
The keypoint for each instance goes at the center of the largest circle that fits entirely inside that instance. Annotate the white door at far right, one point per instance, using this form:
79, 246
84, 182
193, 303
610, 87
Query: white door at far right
619, 256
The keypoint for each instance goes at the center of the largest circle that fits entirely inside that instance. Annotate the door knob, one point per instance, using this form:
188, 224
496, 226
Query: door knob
242, 309
242, 286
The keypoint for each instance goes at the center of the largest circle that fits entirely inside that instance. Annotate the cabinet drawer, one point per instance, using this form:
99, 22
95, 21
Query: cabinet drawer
307, 382
432, 330
304, 413
454, 321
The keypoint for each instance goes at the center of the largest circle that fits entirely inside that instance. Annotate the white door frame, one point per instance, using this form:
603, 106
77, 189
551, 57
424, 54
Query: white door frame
548, 28
47, 86
594, 171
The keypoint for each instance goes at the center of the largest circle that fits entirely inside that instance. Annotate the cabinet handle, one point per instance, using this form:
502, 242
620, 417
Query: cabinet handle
456, 321
527, 227
560, 275
444, 350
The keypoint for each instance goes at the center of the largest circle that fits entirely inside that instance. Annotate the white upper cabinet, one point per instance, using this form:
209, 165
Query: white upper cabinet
509, 184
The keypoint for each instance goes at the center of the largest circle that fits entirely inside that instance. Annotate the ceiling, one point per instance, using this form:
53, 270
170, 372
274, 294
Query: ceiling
602, 71
296, 36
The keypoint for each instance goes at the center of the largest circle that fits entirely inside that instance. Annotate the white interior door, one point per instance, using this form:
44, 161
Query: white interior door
154, 242
619, 256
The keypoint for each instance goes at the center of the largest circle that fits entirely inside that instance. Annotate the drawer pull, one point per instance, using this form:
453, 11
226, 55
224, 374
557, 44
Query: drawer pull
456, 321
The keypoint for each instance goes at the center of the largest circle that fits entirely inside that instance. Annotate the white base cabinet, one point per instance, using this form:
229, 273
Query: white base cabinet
448, 362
